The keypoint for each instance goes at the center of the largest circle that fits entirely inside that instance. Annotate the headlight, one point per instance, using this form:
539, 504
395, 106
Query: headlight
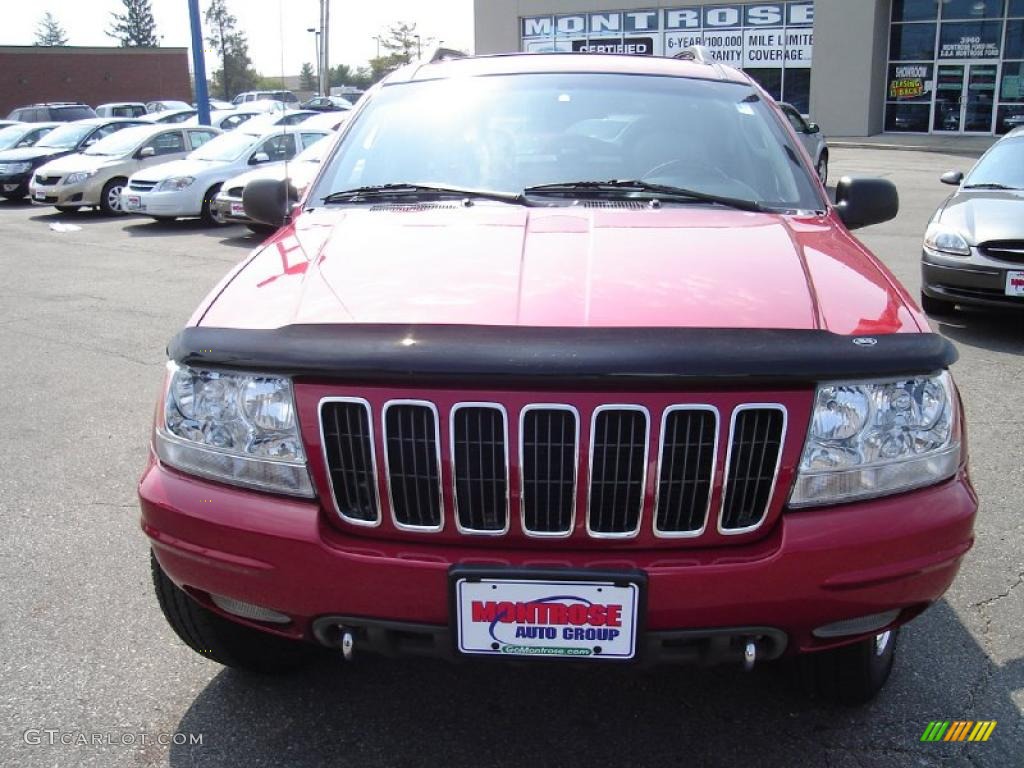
873, 439
236, 428
78, 177
946, 240
175, 184
15, 167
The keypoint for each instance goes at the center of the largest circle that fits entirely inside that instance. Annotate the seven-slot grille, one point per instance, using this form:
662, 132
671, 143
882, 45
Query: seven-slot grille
47, 181
547, 463
138, 185
480, 468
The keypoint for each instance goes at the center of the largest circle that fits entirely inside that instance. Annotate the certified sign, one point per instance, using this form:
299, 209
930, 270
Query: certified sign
564, 619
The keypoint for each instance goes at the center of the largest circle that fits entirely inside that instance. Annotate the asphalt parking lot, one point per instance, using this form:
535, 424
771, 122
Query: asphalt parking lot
86, 315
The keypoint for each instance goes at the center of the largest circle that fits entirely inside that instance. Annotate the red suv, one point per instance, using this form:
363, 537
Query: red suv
565, 357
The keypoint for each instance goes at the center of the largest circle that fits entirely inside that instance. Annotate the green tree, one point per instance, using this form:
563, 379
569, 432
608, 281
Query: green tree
136, 27
307, 78
49, 32
402, 42
236, 73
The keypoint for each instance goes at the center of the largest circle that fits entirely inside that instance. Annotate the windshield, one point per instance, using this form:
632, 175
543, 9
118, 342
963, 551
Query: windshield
120, 143
12, 134
66, 137
1002, 166
511, 132
225, 148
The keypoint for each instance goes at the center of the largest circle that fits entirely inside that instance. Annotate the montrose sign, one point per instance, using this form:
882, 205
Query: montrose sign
749, 36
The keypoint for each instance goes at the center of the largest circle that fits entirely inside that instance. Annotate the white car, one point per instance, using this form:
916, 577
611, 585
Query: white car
169, 116
187, 188
228, 119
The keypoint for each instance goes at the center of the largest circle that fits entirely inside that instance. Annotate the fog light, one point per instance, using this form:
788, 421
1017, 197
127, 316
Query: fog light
248, 610
858, 626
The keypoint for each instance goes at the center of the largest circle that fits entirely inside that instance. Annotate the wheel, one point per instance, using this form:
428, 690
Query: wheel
207, 214
937, 307
854, 674
227, 643
261, 229
68, 208
823, 168
110, 197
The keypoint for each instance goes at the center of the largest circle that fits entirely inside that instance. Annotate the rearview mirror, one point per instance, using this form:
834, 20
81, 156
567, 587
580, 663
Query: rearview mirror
863, 200
953, 178
259, 157
147, 152
268, 201
813, 128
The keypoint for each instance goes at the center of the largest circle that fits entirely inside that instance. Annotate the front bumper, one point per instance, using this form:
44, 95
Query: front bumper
15, 184
81, 194
185, 202
973, 280
230, 209
814, 568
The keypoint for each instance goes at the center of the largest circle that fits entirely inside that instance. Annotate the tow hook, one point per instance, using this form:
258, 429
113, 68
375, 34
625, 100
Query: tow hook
348, 642
749, 655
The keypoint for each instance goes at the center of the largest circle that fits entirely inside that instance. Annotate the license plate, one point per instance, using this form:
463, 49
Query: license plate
40, 196
1015, 283
237, 209
133, 203
549, 618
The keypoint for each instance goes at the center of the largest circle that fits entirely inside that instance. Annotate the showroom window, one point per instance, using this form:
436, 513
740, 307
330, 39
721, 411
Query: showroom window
955, 66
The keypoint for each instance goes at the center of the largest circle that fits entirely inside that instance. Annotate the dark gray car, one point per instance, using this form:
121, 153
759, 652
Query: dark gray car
974, 248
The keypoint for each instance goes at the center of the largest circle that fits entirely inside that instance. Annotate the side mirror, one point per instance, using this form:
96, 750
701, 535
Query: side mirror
864, 200
147, 152
268, 201
813, 128
259, 157
953, 178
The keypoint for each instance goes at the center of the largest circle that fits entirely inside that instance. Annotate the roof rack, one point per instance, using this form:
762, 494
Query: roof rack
698, 53
446, 54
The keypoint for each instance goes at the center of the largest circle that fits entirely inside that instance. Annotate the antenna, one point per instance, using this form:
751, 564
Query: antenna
287, 181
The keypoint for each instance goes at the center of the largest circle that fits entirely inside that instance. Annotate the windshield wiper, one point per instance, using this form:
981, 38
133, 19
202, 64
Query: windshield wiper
662, 191
990, 185
419, 190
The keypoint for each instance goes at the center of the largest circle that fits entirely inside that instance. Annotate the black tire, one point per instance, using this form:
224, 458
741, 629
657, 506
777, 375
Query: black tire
209, 218
854, 674
823, 168
937, 307
164, 219
68, 208
227, 643
261, 229
110, 197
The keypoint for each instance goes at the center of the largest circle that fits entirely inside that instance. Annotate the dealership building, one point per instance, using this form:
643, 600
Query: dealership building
858, 67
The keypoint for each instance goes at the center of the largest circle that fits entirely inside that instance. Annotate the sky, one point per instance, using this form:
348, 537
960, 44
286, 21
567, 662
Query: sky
353, 25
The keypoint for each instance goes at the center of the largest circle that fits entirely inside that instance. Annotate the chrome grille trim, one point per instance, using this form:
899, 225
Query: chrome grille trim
454, 468
437, 458
728, 465
373, 459
575, 470
662, 441
629, 534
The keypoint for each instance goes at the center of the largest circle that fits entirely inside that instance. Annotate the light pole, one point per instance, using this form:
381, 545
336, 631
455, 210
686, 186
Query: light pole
377, 38
419, 48
199, 63
316, 42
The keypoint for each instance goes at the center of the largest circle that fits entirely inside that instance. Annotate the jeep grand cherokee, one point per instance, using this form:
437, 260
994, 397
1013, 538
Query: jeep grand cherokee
566, 358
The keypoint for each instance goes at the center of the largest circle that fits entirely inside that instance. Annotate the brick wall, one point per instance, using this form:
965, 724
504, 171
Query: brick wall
94, 76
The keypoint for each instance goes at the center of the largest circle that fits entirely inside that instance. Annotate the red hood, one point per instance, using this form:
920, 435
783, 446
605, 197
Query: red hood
504, 265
